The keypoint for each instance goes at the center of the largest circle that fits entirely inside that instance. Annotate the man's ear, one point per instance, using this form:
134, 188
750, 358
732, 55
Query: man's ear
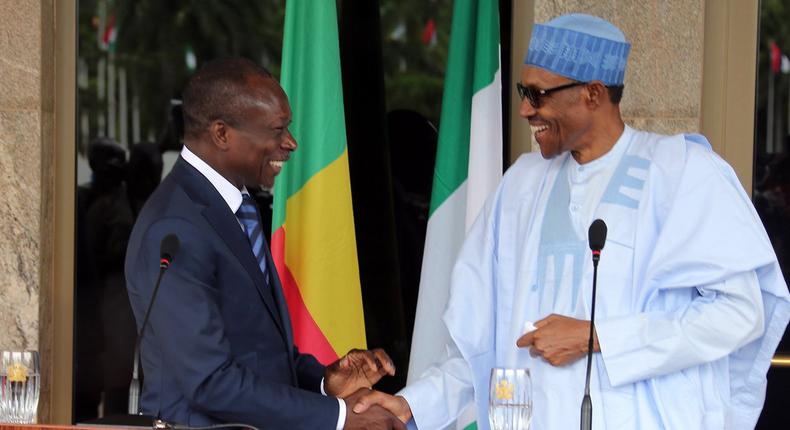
220, 132
596, 94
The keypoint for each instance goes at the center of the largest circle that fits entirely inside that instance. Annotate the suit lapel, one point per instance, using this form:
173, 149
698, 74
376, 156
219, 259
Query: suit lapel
226, 225
279, 297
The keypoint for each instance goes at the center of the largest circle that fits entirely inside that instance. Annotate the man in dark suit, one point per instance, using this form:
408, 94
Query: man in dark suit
218, 346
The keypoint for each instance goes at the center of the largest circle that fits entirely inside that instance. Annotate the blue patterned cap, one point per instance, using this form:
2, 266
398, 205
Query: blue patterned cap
581, 47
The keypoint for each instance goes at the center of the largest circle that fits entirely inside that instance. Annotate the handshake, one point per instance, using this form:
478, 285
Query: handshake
352, 378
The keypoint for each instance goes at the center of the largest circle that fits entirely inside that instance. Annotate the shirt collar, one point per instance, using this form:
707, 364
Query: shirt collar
228, 191
601, 162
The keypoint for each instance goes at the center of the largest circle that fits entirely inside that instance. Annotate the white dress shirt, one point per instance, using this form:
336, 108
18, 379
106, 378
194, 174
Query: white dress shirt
587, 182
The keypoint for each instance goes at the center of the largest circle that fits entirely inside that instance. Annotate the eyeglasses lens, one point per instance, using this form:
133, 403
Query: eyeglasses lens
529, 93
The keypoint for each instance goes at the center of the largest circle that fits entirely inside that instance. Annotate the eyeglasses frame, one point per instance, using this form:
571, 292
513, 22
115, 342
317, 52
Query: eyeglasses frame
535, 95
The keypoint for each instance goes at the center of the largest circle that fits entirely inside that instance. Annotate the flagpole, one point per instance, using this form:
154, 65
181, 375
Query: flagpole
101, 91
123, 110
769, 144
111, 104
785, 70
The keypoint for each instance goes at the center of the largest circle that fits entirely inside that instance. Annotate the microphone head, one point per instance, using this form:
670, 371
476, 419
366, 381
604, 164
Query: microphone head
169, 247
597, 235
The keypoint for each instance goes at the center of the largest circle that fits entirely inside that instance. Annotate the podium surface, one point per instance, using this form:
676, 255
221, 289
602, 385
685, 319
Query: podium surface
4, 426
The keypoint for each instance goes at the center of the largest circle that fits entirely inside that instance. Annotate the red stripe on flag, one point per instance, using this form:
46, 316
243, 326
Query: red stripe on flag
108, 36
428, 31
776, 57
307, 335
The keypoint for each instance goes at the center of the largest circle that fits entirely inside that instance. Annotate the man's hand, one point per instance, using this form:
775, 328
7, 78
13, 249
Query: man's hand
395, 404
358, 369
374, 418
560, 340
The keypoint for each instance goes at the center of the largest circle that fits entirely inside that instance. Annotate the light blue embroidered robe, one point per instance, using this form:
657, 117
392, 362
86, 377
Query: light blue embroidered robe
682, 236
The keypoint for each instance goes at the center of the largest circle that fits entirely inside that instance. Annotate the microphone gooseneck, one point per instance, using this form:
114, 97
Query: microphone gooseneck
597, 239
167, 251
160, 424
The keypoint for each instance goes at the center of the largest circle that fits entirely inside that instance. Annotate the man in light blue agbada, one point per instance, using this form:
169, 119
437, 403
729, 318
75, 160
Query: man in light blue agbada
691, 302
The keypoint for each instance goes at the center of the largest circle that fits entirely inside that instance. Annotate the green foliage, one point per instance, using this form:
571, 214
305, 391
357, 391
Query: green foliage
774, 26
154, 37
413, 70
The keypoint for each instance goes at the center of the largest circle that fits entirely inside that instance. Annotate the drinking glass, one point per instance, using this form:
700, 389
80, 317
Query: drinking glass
20, 385
510, 399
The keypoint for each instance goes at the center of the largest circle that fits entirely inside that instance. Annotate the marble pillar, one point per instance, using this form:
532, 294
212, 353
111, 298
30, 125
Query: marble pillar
663, 81
26, 148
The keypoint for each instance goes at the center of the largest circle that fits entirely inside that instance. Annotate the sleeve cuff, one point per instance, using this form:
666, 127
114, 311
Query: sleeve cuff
341, 412
341, 415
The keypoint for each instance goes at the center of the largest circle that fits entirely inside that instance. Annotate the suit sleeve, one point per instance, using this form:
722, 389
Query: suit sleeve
188, 329
309, 371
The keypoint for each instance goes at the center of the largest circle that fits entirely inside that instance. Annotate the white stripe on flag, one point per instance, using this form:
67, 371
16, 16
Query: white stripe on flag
443, 240
485, 147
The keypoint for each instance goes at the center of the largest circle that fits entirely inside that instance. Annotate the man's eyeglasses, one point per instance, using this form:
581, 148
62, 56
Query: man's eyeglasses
534, 95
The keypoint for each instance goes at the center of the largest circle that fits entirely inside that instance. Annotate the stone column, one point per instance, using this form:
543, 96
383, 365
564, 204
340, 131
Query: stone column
663, 79
26, 125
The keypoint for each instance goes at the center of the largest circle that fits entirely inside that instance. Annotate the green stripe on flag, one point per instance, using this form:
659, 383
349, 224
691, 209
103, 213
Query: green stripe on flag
311, 78
486, 44
472, 426
474, 30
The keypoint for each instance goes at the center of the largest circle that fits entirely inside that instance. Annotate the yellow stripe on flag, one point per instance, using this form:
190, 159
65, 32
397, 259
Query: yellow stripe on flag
321, 253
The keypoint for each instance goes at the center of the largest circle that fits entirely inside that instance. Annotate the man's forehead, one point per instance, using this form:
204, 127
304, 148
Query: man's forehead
267, 106
264, 88
532, 75
265, 92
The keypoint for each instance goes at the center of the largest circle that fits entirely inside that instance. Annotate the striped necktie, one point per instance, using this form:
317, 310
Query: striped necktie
248, 216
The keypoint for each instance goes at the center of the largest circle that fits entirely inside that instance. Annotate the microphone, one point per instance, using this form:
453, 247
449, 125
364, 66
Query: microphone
167, 250
597, 238
170, 244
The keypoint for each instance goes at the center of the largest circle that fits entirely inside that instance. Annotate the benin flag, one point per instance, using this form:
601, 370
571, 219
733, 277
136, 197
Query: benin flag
313, 242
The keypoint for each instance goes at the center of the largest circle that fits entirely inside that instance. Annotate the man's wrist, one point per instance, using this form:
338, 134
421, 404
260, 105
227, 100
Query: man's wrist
406, 407
341, 411
596, 345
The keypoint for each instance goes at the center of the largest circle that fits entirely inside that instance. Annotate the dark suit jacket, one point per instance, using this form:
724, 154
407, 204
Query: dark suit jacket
218, 346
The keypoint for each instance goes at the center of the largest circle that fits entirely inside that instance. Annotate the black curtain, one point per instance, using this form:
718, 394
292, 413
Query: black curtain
371, 183
506, 44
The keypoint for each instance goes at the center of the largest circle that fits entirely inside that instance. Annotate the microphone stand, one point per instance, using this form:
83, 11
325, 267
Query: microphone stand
134, 386
586, 419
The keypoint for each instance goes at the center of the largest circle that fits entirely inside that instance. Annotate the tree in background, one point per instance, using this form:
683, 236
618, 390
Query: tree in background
415, 36
159, 43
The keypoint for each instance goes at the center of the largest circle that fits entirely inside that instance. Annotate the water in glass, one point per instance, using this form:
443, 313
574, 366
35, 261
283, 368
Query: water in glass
510, 399
20, 385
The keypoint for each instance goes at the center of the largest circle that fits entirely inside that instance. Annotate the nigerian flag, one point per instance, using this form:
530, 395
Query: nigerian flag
313, 241
468, 169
